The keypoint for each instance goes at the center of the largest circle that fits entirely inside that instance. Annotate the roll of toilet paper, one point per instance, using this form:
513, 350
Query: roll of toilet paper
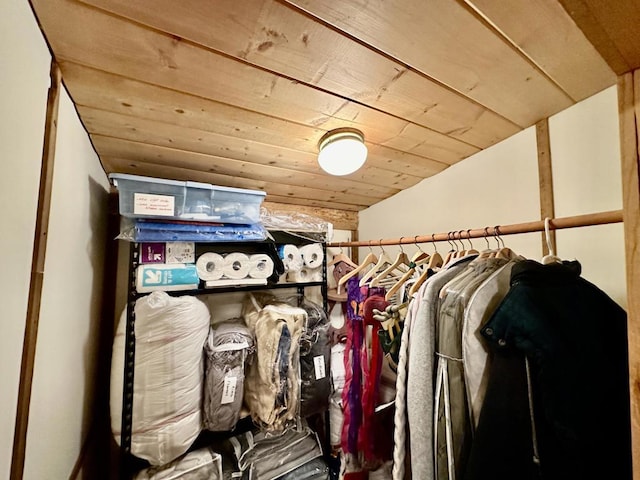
236, 266
291, 257
299, 276
312, 255
210, 266
316, 274
261, 266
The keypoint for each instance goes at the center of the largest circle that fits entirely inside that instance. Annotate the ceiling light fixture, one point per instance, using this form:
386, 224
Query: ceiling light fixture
342, 151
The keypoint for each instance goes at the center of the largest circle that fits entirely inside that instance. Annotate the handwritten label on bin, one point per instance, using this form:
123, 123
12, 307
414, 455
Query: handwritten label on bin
150, 204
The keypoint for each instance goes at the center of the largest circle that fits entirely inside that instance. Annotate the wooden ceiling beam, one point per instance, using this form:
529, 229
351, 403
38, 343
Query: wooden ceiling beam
110, 124
341, 219
282, 39
200, 162
116, 45
445, 41
543, 32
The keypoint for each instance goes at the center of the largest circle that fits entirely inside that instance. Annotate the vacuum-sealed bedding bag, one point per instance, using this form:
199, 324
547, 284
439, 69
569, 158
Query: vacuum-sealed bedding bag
168, 375
202, 464
226, 349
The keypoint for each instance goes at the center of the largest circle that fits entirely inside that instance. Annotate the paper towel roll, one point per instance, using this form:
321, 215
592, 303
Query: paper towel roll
210, 266
312, 255
236, 266
261, 266
291, 257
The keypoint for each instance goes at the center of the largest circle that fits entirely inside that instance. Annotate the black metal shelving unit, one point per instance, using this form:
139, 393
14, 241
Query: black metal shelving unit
127, 460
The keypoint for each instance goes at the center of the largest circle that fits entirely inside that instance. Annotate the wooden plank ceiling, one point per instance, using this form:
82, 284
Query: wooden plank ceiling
238, 92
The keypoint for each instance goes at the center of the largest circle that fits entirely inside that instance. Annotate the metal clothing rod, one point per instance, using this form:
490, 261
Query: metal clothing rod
600, 218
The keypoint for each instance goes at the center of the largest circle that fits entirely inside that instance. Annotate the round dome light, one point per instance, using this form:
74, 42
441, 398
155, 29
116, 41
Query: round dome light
342, 151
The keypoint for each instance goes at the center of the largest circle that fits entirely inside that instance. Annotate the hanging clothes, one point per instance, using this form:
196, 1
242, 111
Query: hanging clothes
420, 371
452, 429
357, 364
564, 342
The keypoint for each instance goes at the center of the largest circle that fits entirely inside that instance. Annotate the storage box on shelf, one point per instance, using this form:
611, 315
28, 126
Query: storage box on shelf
146, 197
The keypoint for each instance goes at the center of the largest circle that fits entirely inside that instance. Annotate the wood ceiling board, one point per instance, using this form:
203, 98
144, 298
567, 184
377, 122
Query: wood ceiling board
341, 219
545, 33
118, 46
412, 140
292, 202
596, 34
105, 91
620, 19
469, 58
283, 40
125, 127
198, 162
275, 191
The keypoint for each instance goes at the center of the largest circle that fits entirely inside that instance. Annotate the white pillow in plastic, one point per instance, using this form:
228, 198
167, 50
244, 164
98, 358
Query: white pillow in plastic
168, 376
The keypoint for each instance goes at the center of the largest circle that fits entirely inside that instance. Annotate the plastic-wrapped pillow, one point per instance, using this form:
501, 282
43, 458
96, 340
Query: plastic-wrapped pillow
168, 376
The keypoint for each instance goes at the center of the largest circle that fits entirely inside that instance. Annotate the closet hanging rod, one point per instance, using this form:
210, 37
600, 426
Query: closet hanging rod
599, 218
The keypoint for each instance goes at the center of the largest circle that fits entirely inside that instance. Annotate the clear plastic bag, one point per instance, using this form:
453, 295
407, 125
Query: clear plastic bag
226, 350
272, 383
202, 464
299, 224
315, 358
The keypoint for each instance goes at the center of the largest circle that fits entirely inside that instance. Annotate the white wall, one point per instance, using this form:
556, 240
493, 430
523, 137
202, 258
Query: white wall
70, 311
66, 356
497, 186
24, 79
585, 147
500, 186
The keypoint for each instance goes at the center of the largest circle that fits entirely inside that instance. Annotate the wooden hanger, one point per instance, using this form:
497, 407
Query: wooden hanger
434, 261
383, 260
368, 260
341, 257
395, 266
419, 258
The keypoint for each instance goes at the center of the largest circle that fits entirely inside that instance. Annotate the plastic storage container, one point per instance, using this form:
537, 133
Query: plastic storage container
146, 197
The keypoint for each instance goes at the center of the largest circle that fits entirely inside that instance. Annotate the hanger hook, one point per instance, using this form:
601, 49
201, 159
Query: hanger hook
469, 238
453, 248
433, 240
370, 249
415, 240
381, 247
486, 239
401, 249
496, 229
461, 238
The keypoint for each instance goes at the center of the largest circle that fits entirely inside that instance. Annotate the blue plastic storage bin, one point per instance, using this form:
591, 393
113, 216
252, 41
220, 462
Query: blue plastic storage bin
146, 197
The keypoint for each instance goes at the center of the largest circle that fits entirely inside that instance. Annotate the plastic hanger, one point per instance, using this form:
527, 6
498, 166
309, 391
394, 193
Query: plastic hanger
396, 266
383, 260
368, 260
341, 257
551, 257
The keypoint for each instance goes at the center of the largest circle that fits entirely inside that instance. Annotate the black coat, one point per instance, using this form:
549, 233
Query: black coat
575, 339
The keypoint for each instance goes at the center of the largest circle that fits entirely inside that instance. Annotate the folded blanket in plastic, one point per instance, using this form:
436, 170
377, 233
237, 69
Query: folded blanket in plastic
270, 455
